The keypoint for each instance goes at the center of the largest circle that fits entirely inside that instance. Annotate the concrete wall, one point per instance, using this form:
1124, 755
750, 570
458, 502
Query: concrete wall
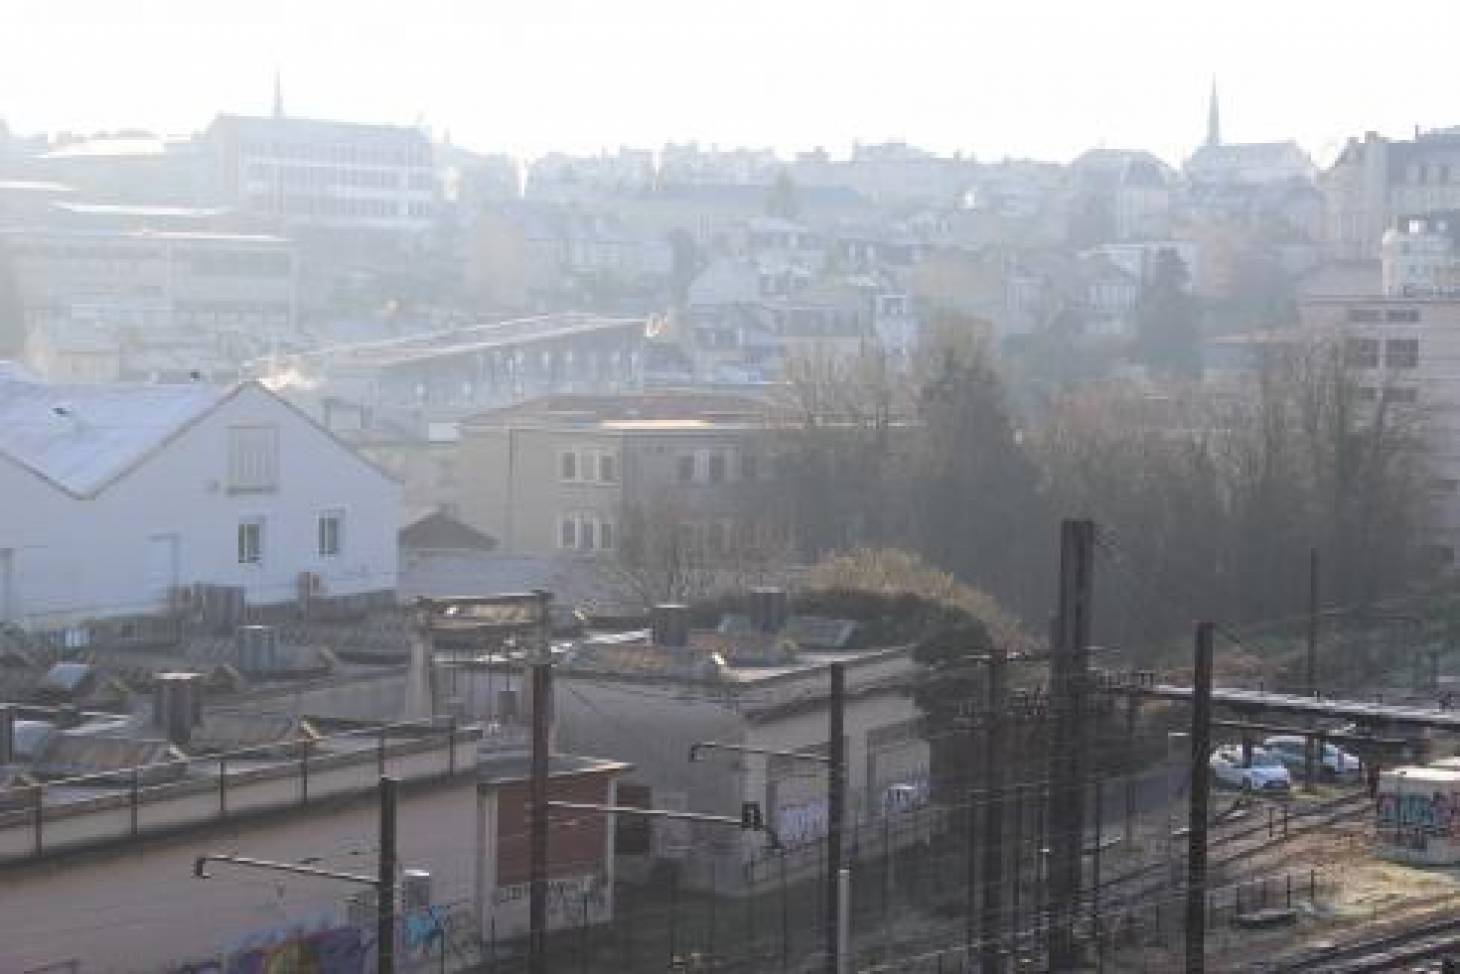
78, 558
139, 909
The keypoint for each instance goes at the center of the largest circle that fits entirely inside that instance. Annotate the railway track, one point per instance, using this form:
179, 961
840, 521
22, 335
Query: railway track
1227, 847
1394, 951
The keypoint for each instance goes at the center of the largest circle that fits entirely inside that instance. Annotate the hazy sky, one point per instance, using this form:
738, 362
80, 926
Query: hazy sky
1040, 78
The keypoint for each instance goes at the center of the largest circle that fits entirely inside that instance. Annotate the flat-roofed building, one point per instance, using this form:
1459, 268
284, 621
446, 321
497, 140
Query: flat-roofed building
570, 474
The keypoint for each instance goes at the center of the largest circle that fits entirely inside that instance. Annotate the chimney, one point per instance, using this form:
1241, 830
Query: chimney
415, 890
669, 624
769, 608
506, 709
7, 735
256, 649
177, 705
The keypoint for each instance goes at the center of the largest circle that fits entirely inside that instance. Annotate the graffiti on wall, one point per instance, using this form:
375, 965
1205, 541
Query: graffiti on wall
338, 950
567, 897
802, 823
1411, 820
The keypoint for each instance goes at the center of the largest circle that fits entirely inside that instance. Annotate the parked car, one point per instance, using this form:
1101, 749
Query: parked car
1336, 763
1265, 774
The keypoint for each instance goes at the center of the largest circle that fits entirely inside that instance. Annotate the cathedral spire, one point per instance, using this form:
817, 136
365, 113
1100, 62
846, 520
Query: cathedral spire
278, 96
1214, 118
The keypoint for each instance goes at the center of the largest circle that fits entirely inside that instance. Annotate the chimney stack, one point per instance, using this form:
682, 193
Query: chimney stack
670, 625
177, 705
7, 735
769, 608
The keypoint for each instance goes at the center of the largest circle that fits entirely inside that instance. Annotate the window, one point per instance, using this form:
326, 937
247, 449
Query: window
1363, 314
253, 458
687, 468
1367, 394
331, 533
717, 468
567, 532
605, 535
1410, 315
1401, 353
568, 465
606, 473
251, 541
748, 466
1403, 394
1444, 485
1361, 353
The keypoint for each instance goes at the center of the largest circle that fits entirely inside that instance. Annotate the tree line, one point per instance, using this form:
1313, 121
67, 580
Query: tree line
1208, 497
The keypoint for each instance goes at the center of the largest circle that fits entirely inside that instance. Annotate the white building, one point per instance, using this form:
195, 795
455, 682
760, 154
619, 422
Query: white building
333, 175
103, 305
1418, 258
115, 497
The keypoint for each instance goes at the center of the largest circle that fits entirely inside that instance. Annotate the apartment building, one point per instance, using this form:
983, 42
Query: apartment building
565, 474
326, 174
103, 305
1405, 350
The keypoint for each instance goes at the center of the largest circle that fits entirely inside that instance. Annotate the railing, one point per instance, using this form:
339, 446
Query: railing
132, 802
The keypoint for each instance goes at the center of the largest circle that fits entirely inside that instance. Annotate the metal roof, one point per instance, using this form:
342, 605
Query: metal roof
1316, 706
80, 437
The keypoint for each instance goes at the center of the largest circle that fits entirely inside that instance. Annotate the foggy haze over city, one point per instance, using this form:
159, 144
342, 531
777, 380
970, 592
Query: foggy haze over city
572, 486
1040, 79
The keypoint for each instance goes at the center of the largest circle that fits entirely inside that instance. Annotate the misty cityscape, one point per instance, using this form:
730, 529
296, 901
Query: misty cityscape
555, 490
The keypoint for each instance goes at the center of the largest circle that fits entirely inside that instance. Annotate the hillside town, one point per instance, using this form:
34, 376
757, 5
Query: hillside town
701, 558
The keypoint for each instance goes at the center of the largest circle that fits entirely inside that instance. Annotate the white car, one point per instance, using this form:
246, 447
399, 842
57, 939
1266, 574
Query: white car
1336, 762
1265, 774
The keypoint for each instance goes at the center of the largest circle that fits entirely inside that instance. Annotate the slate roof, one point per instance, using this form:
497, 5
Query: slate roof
81, 437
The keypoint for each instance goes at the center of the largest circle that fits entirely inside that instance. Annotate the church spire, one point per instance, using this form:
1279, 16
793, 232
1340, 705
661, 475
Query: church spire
1214, 118
278, 96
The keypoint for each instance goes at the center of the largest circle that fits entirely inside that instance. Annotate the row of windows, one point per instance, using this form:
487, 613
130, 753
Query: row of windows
1438, 173
329, 537
714, 467
586, 466
330, 206
239, 263
318, 176
586, 531
124, 257
1399, 353
1371, 315
342, 152
1395, 394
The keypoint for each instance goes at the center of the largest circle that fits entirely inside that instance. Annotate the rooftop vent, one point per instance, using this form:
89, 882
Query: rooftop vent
669, 624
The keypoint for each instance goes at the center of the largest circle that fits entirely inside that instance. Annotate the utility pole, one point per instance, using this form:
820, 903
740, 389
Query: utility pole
385, 884
991, 951
1311, 663
836, 793
1196, 863
542, 676
1069, 673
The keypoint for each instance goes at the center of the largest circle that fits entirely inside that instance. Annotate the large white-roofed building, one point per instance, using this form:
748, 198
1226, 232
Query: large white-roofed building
115, 499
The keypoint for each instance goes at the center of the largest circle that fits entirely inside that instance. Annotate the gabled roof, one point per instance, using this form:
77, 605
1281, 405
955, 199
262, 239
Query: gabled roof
439, 531
81, 437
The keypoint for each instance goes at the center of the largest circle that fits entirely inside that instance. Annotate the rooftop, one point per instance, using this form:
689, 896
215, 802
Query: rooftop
469, 339
136, 209
81, 437
667, 410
